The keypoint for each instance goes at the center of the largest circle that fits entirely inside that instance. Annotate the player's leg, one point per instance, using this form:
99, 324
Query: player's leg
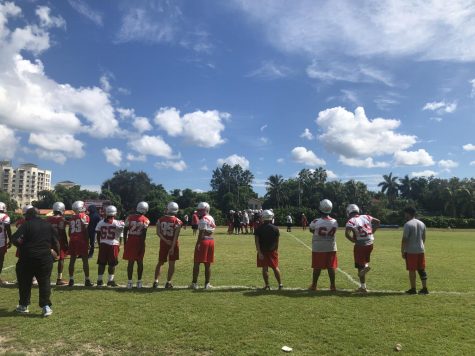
315, 276
130, 272
42, 273
331, 276
207, 273
110, 280
196, 273
85, 267
100, 273
158, 269
423, 277
265, 276
277, 276
2, 258
139, 269
72, 261
24, 275
171, 271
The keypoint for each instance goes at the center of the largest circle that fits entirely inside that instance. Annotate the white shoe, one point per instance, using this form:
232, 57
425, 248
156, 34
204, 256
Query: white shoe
208, 286
34, 282
47, 311
129, 285
139, 284
22, 309
194, 286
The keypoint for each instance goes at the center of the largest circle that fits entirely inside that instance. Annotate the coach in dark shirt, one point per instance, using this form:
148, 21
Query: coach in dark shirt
94, 219
37, 242
267, 245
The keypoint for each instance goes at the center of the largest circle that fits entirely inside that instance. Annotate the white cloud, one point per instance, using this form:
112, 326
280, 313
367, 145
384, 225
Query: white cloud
151, 146
138, 158
307, 157
8, 142
204, 168
436, 119
125, 113
176, 165
105, 83
413, 158
46, 20
352, 28
374, 137
32, 102
113, 156
280, 160
426, 173
362, 163
198, 128
263, 127
441, 107
472, 163
332, 71
448, 164
307, 134
264, 140
270, 70
64, 143
469, 147
84, 9
331, 175
234, 160
142, 124
472, 82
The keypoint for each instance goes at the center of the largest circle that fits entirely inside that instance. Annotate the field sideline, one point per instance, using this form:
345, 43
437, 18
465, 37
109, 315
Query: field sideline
237, 318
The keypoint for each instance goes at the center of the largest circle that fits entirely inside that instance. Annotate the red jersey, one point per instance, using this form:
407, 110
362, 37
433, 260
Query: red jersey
137, 224
57, 222
20, 222
195, 219
78, 226
167, 226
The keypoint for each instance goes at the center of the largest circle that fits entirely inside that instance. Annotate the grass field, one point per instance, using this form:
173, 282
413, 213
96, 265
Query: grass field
236, 318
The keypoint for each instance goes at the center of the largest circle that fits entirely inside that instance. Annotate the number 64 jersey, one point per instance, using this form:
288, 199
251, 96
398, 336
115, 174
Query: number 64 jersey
111, 231
324, 230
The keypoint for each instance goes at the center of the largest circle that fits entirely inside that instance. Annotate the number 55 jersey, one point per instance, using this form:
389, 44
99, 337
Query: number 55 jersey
111, 231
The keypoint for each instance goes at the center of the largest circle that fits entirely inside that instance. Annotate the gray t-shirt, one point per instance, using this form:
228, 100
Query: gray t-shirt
414, 236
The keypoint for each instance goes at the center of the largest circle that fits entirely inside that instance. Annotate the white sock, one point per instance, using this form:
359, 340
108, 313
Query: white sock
111, 277
363, 285
99, 277
60, 276
156, 281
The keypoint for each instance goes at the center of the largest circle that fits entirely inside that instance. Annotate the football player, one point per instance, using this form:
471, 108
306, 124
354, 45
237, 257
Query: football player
194, 222
108, 234
324, 244
5, 235
79, 242
168, 230
204, 249
360, 230
266, 238
59, 225
135, 232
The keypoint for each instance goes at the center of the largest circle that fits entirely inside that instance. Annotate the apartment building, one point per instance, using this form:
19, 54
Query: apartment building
24, 183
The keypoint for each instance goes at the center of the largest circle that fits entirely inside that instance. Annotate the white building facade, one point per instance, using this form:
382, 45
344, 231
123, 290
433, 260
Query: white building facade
24, 183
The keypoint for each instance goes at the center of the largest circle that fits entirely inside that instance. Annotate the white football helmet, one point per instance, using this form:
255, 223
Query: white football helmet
325, 206
142, 207
58, 206
352, 208
78, 206
3, 206
172, 208
26, 208
203, 206
111, 210
267, 215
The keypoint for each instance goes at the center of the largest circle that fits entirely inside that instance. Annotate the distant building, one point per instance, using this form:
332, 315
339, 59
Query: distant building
66, 184
254, 204
24, 183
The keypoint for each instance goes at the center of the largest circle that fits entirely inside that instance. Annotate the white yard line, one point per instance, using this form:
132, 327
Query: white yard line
347, 275
7, 268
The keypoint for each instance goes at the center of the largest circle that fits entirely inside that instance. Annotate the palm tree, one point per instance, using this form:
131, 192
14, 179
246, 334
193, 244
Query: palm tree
274, 188
390, 187
405, 186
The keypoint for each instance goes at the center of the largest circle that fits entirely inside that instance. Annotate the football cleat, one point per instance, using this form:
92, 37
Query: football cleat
266, 288
99, 283
168, 285
424, 291
47, 311
194, 286
361, 290
88, 283
281, 286
22, 309
208, 286
129, 285
139, 284
332, 289
155, 285
312, 287
61, 282
71, 283
411, 291
112, 284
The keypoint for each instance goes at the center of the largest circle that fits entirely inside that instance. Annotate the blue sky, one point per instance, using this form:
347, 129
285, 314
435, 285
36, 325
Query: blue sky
175, 88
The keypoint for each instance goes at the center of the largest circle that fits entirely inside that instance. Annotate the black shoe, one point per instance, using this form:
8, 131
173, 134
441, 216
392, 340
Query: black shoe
71, 283
112, 284
168, 285
411, 291
281, 287
99, 283
155, 285
424, 291
88, 283
266, 288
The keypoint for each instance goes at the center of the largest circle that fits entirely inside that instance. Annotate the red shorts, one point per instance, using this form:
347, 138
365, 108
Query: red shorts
79, 247
271, 259
415, 261
204, 251
362, 255
324, 260
163, 254
3, 250
108, 255
63, 250
134, 249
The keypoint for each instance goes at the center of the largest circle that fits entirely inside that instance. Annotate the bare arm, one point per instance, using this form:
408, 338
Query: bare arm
258, 248
160, 235
375, 223
350, 234
126, 231
175, 238
8, 231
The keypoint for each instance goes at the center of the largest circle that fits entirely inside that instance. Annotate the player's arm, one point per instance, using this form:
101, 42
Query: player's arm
126, 231
8, 238
350, 234
258, 248
18, 235
175, 238
54, 242
403, 241
375, 223
161, 237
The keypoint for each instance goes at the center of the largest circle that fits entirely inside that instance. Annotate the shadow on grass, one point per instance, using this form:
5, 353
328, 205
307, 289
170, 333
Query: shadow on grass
317, 294
5, 313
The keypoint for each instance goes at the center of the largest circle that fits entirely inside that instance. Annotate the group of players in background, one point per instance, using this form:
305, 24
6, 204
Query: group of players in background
109, 232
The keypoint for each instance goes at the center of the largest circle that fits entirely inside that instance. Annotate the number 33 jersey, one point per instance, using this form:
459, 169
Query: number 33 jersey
324, 231
111, 231
361, 225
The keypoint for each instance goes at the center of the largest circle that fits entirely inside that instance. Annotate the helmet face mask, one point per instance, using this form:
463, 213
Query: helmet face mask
203, 208
78, 206
352, 208
142, 207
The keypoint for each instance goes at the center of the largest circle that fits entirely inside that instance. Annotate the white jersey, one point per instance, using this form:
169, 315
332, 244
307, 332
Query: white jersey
361, 225
4, 220
324, 230
207, 224
245, 218
289, 219
111, 231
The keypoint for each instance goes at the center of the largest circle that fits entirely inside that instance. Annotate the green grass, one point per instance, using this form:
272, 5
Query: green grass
246, 321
